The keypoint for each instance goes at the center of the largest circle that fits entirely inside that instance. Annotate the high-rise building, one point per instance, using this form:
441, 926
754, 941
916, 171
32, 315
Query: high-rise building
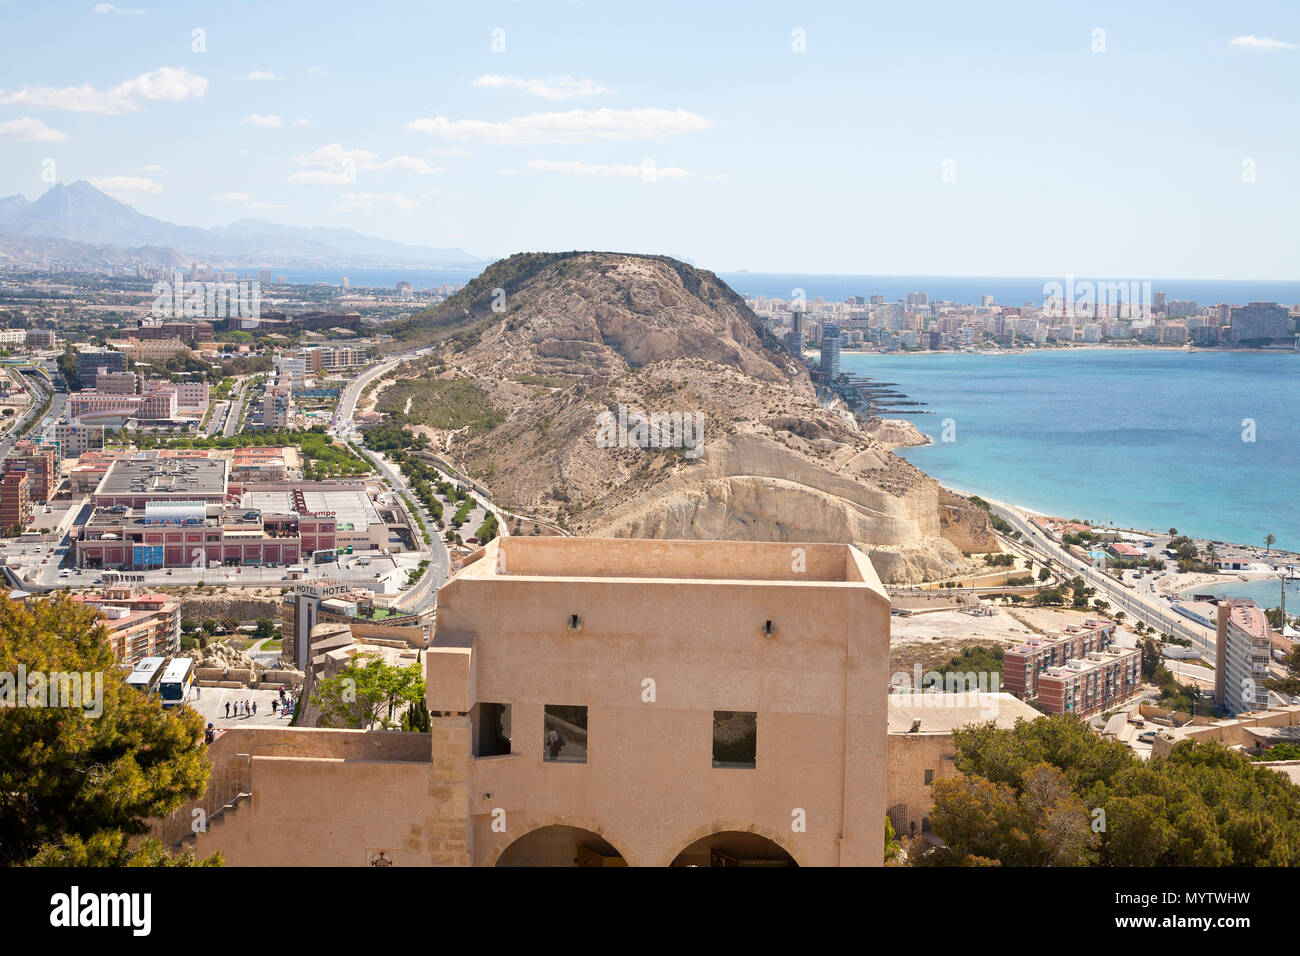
15, 502
1243, 650
986, 301
37, 461
1260, 320
830, 365
1158, 302
795, 337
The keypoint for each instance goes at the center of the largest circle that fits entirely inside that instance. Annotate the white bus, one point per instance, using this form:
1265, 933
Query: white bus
177, 681
147, 674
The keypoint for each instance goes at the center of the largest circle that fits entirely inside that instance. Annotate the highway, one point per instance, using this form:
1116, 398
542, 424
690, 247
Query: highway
1163, 619
425, 592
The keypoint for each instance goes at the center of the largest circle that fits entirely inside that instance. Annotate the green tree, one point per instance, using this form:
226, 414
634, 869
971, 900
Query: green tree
892, 847
1202, 805
77, 787
366, 692
416, 717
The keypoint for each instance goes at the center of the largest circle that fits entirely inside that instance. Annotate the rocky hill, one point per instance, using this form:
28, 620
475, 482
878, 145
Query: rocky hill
546, 363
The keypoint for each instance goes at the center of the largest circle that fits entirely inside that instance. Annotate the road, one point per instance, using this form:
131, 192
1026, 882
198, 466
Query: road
348, 400
425, 594
39, 390
1135, 605
238, 404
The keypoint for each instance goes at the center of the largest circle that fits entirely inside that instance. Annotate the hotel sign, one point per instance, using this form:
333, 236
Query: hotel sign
320, 590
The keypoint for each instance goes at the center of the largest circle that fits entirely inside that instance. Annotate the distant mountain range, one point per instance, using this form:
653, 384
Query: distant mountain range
78, 221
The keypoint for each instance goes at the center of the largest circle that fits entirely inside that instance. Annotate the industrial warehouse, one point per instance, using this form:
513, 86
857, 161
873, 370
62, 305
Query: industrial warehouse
157, 512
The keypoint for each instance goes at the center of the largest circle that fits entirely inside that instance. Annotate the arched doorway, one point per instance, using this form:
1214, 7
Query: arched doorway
560, 846
734, 848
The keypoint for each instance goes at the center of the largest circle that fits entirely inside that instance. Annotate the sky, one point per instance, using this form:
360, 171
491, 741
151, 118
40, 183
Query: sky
1106, 139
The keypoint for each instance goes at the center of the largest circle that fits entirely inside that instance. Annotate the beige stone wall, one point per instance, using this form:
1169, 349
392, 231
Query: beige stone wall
910, 756
319, 798
1230, 733
648, 786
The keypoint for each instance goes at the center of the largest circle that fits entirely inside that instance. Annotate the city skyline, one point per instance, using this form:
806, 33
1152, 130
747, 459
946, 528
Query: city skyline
786, 142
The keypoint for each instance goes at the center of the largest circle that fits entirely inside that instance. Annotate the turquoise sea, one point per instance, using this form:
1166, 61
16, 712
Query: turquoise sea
1141, 438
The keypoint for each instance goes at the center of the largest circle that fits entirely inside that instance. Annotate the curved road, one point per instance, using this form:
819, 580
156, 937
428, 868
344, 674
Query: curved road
1132, 603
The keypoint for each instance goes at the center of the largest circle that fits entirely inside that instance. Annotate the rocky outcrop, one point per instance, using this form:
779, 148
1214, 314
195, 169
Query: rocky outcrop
591, 339
895, 432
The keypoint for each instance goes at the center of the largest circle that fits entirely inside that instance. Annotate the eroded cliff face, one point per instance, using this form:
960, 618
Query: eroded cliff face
594, 338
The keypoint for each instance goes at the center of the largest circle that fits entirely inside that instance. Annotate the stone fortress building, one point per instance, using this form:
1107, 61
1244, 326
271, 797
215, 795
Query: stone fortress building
599, 702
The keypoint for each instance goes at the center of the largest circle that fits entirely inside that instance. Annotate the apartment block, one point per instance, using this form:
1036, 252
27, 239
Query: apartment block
74, 439
1022, 666
15, 502
39, 462
1090, 685
139, 625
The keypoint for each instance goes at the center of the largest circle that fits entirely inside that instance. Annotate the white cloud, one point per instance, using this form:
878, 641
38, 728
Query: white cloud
320, 177
453, 151
302, 121
261, 75
127, 185
31, 130
164, 83
121, 12
647, 171
575, 126
552, 88
234, 197
378, 202
1261, 43
269, 122
334, 165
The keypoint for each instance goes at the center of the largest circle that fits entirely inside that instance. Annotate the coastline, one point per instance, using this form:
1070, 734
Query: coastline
1090, 347
1177, 583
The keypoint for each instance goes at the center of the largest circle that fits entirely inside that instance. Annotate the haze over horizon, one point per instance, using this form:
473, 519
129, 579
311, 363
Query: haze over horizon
787, 141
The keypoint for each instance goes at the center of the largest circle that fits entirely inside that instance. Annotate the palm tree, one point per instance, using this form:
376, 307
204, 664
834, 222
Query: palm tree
1269, 542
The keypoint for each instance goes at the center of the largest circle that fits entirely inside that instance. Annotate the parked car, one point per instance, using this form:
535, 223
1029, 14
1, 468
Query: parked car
1147, 737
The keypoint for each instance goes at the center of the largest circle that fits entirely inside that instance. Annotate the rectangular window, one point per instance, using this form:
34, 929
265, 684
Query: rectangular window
735, 739
564, 733
491, 723
929, 777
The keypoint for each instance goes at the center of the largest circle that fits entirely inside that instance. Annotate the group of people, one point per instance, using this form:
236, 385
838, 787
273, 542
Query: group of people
243, 709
